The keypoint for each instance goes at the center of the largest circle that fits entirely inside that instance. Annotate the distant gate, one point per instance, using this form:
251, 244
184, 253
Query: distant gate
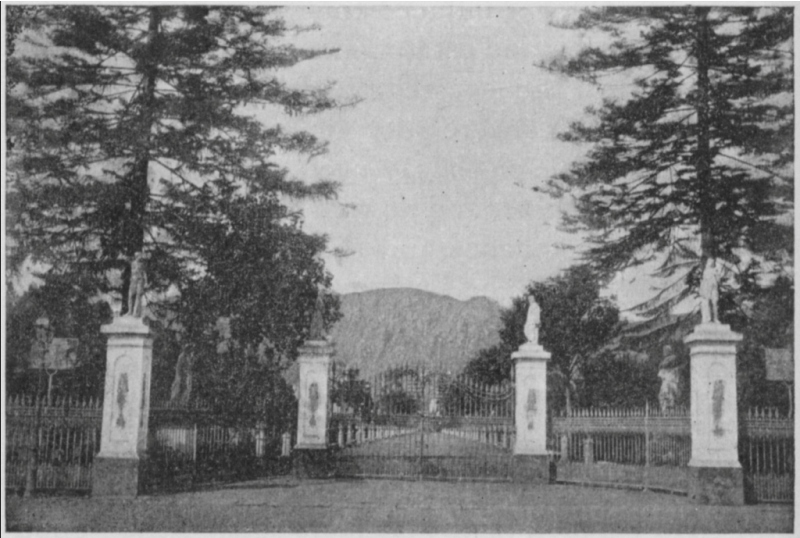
412, 423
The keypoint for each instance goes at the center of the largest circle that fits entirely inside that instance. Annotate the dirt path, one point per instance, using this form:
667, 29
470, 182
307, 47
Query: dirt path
288, 505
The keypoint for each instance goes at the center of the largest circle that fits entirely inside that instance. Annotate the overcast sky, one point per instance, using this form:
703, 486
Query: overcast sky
456, 127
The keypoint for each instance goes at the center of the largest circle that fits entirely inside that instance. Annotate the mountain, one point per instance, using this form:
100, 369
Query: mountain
390, 327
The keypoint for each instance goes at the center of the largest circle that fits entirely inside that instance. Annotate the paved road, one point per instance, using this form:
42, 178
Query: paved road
289, 505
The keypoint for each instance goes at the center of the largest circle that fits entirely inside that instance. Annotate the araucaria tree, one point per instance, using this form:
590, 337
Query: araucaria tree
696, 161
135, 129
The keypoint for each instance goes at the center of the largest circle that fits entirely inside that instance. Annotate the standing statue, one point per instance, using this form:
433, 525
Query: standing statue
709, 293
137, 286
532, 321
317, 331
668, 372
181, 389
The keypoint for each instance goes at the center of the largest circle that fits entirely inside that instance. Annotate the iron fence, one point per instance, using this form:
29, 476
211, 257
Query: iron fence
650, 448
50, 445
641, 447
192, 446
766, 452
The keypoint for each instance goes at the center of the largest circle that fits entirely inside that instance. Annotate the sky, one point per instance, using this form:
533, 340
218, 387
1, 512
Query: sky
439, 161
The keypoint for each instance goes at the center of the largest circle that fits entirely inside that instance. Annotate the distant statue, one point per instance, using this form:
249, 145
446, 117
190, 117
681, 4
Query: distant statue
709, 293
532, 321
668, 372
223, 334
317, 331
137, 286
181, 389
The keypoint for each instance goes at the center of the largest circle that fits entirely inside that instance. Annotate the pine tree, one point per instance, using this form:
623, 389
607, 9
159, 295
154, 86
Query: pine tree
697, 161
134, 130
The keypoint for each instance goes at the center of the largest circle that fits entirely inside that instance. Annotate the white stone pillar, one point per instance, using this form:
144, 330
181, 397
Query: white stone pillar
311, 455
717, 474
531, 461
530, 374
312, 416
117, 469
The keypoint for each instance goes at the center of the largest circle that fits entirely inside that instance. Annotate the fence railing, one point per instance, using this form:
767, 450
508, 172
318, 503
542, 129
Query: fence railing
650, 448
50, 445
766, 452
191, 446
642, 436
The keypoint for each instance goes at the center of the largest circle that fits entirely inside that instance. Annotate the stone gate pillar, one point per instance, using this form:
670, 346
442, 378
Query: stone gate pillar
715, 470
119, 467
531, 461
311, 450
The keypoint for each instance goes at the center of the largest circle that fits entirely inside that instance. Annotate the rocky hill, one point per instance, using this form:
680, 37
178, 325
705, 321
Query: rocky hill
390, 327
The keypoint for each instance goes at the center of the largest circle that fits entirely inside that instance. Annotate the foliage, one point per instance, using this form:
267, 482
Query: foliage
64, 302
575, 323
241, 386
609, 380
351, 393
135, 130
766, 320
697, 160
398, 393
493, 365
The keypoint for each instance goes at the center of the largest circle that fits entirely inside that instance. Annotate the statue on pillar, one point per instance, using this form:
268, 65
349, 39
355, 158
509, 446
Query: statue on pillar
709, 293
137, 286
532, 321
317, 330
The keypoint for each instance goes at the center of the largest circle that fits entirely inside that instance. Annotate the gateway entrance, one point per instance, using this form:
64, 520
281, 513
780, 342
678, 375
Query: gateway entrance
416, 424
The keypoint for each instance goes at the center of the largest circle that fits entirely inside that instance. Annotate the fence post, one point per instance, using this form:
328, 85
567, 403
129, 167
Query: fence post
647, 460
717, 476
118, 469
194, 451
565, 447
588, 450
286, 444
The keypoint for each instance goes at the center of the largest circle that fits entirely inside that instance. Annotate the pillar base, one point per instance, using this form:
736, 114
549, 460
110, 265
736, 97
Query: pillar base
312, 463
717, 485
117, 477
534, 469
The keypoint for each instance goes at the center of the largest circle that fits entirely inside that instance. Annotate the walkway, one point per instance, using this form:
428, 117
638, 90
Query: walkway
288, 505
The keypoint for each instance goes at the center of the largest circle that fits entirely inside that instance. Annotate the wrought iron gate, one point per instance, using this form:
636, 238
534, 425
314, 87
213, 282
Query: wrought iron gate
414, 424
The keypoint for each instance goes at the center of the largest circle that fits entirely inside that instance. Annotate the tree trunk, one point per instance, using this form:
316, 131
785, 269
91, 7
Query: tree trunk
703, 156
138, 188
